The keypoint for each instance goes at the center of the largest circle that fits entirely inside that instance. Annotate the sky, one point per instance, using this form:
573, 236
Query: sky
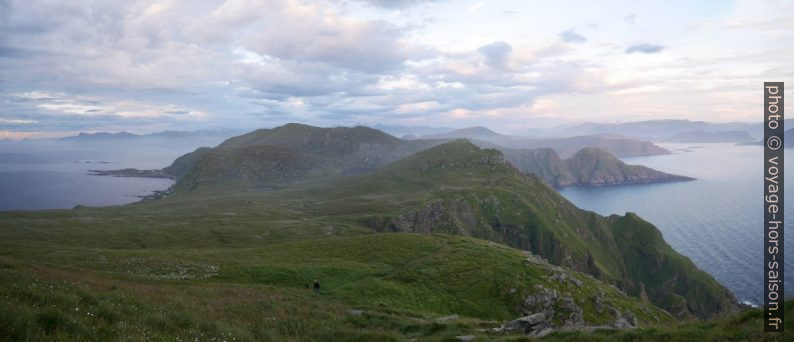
148, 66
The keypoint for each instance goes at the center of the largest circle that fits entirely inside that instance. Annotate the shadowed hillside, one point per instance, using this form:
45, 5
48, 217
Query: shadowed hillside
289, 153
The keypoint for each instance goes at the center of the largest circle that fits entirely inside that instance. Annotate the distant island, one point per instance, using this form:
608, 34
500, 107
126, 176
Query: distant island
589, 167
131, 173
711, 137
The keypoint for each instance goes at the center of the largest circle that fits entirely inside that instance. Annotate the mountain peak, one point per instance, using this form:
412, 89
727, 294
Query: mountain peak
593, 153
302, 137
477, 130
458, 154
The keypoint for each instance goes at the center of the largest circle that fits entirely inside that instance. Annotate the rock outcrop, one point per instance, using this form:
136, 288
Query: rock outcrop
588, 167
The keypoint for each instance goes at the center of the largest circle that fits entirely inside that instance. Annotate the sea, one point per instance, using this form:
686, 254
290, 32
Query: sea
716, 220
54, 174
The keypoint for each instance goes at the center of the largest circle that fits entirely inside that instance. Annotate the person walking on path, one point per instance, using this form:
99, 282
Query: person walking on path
316, 286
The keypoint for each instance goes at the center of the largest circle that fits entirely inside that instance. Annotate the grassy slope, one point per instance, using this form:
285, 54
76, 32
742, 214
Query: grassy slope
486, 198
66, 286
745, 326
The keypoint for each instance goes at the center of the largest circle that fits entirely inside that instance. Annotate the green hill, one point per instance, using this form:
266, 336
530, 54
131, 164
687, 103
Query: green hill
263, 165
459, 188
290, 153
349, 149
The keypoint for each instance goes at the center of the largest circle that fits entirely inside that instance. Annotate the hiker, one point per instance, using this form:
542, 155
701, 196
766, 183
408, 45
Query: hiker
316, 286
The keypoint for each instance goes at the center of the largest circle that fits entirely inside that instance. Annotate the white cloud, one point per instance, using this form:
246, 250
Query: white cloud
476, 7
16, 121
246, 62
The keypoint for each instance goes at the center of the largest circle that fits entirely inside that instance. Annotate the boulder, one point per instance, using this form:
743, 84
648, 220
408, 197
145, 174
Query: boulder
526, 324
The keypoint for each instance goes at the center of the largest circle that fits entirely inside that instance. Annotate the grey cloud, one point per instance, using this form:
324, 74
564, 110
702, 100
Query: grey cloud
644, 48
235, 59
364, 46
571, 36
496, 54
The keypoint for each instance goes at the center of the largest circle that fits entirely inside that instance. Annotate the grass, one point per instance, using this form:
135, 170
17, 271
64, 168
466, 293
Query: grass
746, 326
401, 282
232, 265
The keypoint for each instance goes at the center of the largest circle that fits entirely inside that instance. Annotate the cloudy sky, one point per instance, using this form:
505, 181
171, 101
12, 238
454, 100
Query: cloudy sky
145, 66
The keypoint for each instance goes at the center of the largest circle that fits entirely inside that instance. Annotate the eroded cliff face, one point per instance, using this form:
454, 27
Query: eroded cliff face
622, 250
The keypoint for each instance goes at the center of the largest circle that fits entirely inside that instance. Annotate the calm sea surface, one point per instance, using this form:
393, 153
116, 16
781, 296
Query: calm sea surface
54, 174
717, 220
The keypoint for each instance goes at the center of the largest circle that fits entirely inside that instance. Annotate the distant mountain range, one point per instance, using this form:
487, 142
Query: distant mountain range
711, 137
477, 132
788, 139
411, 131
566, 147
685, 131
126, 136
566, 139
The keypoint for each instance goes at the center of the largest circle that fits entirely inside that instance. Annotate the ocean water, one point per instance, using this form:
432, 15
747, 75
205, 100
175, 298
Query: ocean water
54, 174
716, 220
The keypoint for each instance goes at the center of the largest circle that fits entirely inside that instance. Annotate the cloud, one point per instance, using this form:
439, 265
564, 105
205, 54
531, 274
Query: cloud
182, 64
644, 48
476, 7
18, 135
318, 35
571, 36
496, 54
630, 19
16, 121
